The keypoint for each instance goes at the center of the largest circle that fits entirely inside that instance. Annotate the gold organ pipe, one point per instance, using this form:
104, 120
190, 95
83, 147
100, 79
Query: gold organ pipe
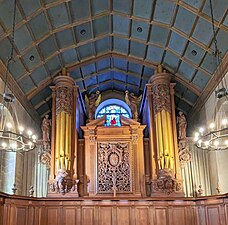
62, 138
160, 139
57, 139
171, 144
69, 143
165, 132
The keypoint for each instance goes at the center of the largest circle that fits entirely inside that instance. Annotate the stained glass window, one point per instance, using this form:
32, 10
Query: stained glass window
112, 113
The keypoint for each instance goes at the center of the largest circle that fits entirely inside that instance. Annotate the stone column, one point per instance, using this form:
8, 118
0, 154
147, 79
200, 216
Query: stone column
163, 137
63, 177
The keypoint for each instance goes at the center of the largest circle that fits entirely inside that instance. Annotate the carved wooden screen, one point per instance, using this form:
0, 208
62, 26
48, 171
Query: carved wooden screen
114, 167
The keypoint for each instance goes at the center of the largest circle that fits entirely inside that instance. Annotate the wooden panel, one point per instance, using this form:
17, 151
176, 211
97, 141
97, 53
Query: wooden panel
105, 216
88, 216
52, 216
141, 216
213, 216
123, 215
161, 216
21, 216
69, 216
178, 216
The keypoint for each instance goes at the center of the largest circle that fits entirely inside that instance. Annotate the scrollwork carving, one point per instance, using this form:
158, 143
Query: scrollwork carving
113, 167
64, 98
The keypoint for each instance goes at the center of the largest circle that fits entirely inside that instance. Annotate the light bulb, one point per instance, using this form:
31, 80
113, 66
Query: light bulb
21, 129
224, 122
216, 143
29, 132
226, 142
30, 144
4, 145
14, 145
9, 125
34, 137
206, 143
201, 130
196, 134
200, 142
196, 138
212, 125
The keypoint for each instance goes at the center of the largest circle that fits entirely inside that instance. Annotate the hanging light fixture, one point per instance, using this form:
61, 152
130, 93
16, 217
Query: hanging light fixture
12, 138
215, 135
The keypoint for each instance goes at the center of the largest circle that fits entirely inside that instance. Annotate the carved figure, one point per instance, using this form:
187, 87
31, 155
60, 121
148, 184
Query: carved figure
46, 125
182, 125
91, 103
133, 102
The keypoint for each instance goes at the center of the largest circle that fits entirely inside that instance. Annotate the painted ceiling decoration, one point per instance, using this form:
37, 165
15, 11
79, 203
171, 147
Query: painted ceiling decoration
111, 45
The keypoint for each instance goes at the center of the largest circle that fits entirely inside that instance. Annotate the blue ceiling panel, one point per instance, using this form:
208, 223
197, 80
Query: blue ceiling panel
194, 3
43, 109
106, 86
179, 88
85, 51
139, 30
5, 46
137, 49
6, 13
143, 83
103, 64
184, 20
122, 6
201, 79
58, 15
225, 22
190, 96
119, 76
121, 25
80, 84
69, 56
17, 69
222, 41
39, 75
203, 31
219, 8
54, 65
143, 8
186, 70
93, 89
49, 1
147, 72
177, 43
46, 92
30, 6
184, 106
36, 99
135, 68
1, 31
31, 63
99, 6
103, 77
196, 59
90, 81
22, 38
118, 87
164, 11
154, 54
83, 32
81, 12
171, 61
120, 45
209, 63
132, 89
88, 69
101, 26
26, 84
48, 47
102, 45
65, 38
159, 35
120, 63
76, 74
133, 80
39, 26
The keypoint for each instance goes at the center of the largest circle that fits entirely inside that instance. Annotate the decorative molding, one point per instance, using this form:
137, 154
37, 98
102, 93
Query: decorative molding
64, 100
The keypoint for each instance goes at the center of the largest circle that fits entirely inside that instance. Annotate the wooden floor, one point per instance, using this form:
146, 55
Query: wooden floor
18, 210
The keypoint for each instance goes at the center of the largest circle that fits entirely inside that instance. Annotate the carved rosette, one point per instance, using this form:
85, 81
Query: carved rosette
64, 100
45, 159
184, 154
114, 167
166, 183
161, 98
63, 184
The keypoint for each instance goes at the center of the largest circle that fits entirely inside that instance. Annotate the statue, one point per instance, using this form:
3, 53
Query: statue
133, 102
91, 103
182, 125
46, 125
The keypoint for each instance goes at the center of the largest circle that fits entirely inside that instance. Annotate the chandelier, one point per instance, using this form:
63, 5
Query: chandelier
215, 135
13, 138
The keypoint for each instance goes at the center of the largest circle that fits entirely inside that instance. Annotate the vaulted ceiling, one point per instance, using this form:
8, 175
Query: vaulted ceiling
111, 45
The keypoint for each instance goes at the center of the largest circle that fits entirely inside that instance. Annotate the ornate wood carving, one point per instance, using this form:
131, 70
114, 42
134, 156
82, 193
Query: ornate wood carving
114, 167
161, 98
64, 100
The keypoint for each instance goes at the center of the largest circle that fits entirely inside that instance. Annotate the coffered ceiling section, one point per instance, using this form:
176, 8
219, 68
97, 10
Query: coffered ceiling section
112, 45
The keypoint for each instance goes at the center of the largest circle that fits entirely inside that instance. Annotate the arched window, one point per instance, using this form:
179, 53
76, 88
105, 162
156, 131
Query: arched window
112, 109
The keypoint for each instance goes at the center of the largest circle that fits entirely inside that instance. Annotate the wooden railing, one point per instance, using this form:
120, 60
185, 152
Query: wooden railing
19, 210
